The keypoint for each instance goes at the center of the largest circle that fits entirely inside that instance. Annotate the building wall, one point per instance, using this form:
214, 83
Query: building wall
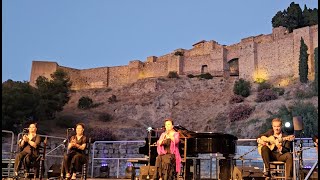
42, 68
264, 56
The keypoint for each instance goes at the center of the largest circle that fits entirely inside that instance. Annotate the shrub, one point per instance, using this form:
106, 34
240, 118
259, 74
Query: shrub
206, 76
96, 104
266, 95
105, 117
190, 76
112, 99
178, 53
279, 91
242, 87
66, 121
240, 112
85, 103
264, 85
309, 114
173, 74
99, 134
236, 99
108, 90
307, 111
301, 94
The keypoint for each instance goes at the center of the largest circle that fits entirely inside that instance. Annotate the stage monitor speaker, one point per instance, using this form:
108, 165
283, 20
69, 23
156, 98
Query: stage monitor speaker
54, 170
297, 123
247, 173
144, 172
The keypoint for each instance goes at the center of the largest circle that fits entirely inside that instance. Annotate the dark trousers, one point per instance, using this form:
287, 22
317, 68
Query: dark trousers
73, 162
268, 155
26, 158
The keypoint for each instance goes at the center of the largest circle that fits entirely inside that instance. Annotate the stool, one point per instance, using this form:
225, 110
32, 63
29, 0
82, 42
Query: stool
278, 169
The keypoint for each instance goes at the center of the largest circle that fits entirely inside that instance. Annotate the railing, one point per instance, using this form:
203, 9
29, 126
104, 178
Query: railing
10, 161
8, 171
245, 155
93, 158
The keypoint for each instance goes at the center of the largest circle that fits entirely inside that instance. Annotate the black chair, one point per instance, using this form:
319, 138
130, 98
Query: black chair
84, 170
85, 166
37, 165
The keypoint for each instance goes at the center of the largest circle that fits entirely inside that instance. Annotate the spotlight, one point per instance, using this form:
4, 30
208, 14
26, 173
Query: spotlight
104, 170
130, 170
287, 124
288, 127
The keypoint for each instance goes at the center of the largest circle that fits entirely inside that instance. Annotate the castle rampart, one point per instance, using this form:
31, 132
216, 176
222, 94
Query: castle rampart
269, 57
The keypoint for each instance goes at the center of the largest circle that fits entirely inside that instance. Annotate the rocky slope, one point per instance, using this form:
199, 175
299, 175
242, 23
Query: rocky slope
197, 104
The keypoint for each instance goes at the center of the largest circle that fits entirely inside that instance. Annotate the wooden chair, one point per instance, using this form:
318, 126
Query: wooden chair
37, 165
278, 169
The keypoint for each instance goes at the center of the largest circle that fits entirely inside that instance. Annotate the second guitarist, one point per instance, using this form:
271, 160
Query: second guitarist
281, 150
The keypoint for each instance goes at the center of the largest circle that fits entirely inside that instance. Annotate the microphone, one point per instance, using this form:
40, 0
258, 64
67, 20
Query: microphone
70, 129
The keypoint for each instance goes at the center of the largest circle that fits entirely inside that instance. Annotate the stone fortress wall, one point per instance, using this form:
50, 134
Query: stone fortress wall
271, 57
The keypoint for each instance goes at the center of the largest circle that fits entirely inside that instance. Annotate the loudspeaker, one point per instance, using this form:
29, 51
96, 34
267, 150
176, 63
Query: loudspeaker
54, 170
246, 172
144, 172
297, 123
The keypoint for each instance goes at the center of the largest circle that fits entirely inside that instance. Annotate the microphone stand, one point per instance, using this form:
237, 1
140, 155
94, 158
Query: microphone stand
149, 144
242, 159
62, 167
299, 154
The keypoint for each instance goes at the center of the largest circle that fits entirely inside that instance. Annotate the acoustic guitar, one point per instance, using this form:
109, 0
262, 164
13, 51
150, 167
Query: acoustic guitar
272, 141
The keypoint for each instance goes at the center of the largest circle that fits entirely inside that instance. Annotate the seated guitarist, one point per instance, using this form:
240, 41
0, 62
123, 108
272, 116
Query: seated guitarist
281, 151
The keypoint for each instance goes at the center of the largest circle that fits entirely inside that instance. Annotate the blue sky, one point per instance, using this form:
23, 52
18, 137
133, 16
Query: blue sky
86, 34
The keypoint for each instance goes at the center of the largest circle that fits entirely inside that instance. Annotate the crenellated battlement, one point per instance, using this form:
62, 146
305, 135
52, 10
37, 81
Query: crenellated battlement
268, 56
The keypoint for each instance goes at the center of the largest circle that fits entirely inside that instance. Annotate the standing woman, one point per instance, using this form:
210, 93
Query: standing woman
168, 162
76, 156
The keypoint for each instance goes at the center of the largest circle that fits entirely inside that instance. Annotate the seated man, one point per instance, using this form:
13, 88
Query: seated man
279, 152
29, 149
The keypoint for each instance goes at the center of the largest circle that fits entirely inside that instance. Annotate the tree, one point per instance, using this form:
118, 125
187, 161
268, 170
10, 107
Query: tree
280, 19
293, 17
303, 62
316, 69
18, 104
242, 87
53, 94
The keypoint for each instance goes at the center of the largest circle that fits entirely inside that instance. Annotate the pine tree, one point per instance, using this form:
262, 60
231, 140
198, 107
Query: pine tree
303, 62
316, 69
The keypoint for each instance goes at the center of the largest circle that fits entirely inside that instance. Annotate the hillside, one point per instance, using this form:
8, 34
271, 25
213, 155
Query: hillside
197, 104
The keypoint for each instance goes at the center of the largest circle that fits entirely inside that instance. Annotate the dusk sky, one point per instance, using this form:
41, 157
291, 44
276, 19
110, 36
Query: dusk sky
85, 34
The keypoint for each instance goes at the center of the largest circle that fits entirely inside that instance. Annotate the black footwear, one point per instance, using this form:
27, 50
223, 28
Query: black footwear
267, 174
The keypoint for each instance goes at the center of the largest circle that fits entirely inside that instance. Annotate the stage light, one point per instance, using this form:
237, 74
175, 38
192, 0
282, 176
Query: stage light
288, 127
129, 170
104, 170
287, 124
